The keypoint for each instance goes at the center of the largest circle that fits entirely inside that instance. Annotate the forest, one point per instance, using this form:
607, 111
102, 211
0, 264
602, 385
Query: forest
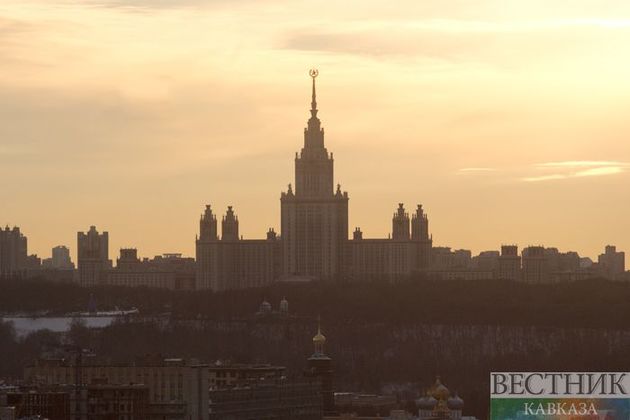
593, 303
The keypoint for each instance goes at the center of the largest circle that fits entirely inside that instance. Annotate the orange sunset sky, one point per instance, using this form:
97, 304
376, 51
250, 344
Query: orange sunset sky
508, 120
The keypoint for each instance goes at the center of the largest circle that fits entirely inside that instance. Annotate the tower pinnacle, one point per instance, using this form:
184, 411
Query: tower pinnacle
313, 73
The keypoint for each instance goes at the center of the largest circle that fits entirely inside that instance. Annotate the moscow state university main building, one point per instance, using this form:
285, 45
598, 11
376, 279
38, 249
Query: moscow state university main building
313, 242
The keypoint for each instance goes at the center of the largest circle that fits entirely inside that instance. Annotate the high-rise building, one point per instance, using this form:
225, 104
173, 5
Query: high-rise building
314, 218
534, 265
13, 252
612, 264
93, 257
509, 263
487, 261
313, 242
61, 258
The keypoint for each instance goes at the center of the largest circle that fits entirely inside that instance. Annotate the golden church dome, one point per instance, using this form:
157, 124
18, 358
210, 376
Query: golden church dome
439, 391
319, 337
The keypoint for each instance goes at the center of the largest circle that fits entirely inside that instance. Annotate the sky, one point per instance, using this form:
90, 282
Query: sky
506, 119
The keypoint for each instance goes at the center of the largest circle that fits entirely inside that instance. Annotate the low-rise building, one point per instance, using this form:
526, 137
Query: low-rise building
49, 403
168, 271
96, 401
178, 389
279, 400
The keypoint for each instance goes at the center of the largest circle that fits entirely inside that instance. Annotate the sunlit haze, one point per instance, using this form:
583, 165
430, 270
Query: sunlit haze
507, 120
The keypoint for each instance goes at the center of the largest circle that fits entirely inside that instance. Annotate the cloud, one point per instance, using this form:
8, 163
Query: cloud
477, 170
578, 169
135, 5
12, 26
544, 178
607, 170
459, 40
581, 163
384, 41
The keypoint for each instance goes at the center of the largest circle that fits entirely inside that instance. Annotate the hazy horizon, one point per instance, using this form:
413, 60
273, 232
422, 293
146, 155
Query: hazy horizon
506, 120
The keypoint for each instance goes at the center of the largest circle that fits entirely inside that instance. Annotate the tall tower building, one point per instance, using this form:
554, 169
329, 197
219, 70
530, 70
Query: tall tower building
422, 242
207, 255
320, 368
314, 218
229, 226
93, 257
420, 225
208, 225
400, 224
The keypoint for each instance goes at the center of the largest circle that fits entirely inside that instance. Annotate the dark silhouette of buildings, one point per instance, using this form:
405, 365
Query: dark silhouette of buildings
312, 244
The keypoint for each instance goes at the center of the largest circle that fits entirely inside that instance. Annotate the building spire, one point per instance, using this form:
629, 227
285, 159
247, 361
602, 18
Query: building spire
313, 73
320, 339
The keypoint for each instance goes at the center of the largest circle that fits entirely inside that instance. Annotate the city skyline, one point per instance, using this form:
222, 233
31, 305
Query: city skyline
456, 127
